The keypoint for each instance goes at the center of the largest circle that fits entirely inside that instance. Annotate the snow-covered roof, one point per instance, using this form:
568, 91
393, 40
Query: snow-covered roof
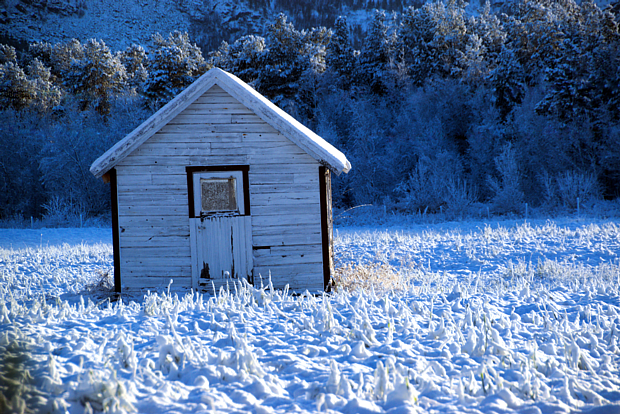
303, 137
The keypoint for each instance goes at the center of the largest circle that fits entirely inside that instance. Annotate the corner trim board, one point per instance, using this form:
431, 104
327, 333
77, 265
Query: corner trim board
326, 225
116, 241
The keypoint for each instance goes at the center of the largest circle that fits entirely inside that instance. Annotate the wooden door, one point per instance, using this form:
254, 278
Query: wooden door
220, 229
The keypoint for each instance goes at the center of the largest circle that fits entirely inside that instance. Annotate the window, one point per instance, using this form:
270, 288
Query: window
218, 194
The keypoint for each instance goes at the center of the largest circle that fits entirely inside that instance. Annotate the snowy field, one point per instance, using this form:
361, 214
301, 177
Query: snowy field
486, 318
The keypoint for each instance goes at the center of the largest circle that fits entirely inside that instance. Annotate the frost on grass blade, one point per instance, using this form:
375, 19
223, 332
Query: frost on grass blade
466, 329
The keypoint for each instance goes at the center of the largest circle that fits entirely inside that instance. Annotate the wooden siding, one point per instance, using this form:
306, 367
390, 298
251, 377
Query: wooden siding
284, 197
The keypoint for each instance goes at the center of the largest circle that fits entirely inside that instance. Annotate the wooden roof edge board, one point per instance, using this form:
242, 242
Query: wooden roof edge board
302, 136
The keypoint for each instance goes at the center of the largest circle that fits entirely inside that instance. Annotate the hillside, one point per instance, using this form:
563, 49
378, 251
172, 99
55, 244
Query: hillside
134, 21
209, 22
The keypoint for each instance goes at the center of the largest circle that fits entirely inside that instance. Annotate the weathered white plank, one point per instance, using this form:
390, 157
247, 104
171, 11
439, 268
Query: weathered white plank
280, 210
311, 168
134, 253
162, 199
292, 219
245, 119
193, 118
267, 199
284, 230
208, 103
173, 189
155, 241
179, 177
258, 178
281, 260
154, 231
296, 249
197, 160
217, 128
206, 109
276, 189
155, 222
265, 155
153, 266
162, 210
286, 239
217, 91
144, 181
253, 145
176, 150
123, 169
167, 148
154, 281
193, 137
290, 270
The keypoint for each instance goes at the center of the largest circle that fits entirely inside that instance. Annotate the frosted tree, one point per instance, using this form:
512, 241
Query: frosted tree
96, 77
377, 58
243, 57
16, 91
488, 27
289, 54
60, 56
506, 184
416, 35
536, 30
173, 64
30, 89
47, 94
434, 40
583, 79
7, 54
507, 81
340, 55
134, 58
485, 40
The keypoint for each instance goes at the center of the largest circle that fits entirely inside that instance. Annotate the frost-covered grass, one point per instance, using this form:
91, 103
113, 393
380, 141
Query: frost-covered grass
508, 317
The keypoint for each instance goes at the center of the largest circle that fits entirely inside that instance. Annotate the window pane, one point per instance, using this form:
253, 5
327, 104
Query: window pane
218, 194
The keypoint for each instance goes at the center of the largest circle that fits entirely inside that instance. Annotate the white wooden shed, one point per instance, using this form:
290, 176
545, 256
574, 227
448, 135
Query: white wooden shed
218, 185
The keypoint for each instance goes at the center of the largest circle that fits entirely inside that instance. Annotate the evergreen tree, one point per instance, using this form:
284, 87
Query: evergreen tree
96, 77
434, 41
377, 58
507, 81
242, 58
47, 94
61, 57
536, 29
33, 90
174, 64
134, 59
7, 54
581, 78
340, 56
416, 35
289, 54
16, 91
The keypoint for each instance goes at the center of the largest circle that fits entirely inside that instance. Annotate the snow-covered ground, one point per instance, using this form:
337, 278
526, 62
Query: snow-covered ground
493, 317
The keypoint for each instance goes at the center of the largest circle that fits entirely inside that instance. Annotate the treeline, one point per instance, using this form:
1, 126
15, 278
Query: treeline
437, 110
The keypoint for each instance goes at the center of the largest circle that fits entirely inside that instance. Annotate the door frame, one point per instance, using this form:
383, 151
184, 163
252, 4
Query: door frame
245, 169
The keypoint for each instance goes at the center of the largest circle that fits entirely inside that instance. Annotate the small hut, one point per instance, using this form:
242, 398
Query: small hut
221, 185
